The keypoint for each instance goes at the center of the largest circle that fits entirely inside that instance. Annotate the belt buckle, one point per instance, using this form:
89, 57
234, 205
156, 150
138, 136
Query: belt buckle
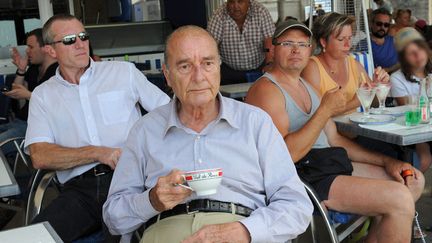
190, 212
96, 173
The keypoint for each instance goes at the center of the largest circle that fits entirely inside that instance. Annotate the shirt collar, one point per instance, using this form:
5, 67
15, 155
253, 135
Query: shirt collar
225, 113
84, 78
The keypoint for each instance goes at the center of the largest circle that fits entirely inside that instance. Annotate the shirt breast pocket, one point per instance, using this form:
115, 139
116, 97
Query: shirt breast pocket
114, 107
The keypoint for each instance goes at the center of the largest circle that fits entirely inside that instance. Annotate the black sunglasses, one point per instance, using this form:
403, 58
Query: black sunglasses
71, 39
380, 24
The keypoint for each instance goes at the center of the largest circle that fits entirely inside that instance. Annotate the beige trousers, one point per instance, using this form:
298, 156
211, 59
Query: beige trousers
176, 228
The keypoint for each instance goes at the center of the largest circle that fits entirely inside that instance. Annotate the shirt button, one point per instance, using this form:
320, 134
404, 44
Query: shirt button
198, 137
200, 161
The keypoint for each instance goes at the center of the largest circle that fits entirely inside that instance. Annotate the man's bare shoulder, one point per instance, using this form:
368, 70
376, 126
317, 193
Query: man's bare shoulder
263, 87
265, 94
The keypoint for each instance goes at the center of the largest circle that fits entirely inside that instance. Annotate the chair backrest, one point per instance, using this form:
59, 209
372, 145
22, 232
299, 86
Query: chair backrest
18, 143
366, 60
41, 180
323, 212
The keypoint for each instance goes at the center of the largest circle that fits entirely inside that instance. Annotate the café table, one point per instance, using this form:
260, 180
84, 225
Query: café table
36, 233
395, 132
8, 184
235, 91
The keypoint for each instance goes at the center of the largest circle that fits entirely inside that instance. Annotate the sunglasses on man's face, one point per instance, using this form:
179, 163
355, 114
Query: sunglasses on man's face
71, 39
381, 24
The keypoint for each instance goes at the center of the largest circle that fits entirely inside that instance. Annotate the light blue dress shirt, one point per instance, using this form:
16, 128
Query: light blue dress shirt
99, 111
258, 171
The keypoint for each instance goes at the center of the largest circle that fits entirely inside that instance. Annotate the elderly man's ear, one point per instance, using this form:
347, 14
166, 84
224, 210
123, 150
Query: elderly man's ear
48, 49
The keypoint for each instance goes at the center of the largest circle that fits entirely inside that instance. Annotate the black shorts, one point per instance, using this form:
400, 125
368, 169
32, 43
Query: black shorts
322, 187
320, 167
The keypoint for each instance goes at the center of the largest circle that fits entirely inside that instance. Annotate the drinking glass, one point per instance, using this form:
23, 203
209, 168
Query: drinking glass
412, 115
365, 94
382, 90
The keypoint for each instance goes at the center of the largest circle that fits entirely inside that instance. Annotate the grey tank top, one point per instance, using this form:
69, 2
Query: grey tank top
297, 117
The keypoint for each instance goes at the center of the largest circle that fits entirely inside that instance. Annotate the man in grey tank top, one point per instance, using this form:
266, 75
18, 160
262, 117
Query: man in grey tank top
371, 183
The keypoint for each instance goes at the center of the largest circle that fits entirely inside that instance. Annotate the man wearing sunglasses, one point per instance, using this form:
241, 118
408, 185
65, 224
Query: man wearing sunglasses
383, 50
78, 121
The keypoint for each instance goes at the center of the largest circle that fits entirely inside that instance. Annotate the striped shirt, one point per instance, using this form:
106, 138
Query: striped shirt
242, 50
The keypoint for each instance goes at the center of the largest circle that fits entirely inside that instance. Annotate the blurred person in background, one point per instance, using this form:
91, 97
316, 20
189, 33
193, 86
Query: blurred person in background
402, 18
386, 4
425, 29
383, 49
416, 63
33, 69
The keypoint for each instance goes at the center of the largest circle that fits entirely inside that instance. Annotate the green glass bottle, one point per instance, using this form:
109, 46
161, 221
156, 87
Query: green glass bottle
424, 103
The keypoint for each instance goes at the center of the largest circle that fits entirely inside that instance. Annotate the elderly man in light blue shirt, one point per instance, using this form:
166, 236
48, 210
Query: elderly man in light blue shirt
260, 199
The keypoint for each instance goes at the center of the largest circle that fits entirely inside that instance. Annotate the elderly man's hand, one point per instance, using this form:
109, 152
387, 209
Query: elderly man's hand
380, 76
18, 60
334, 101
109, 156
229, 232
395, 167
18, 91
167, 194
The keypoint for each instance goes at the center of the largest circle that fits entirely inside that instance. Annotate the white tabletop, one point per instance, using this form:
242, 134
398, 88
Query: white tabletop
36, 233
235, 90
395, 132
8, 184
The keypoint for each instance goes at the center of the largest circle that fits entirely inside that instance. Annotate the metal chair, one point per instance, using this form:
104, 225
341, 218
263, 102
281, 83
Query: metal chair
336, 231
42, 180
10, 202
18, 142
40, 183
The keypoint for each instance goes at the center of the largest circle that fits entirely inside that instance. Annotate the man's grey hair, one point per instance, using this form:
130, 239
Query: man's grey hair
186, 30
48, 36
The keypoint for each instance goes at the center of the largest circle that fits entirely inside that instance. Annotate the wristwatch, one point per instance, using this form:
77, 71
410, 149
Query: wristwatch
20, 74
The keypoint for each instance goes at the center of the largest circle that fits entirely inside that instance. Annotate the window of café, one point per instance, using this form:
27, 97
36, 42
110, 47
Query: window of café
20, 17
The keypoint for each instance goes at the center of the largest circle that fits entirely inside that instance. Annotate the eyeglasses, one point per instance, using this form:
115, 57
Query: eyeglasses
292, 44
380, 24
71, 39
